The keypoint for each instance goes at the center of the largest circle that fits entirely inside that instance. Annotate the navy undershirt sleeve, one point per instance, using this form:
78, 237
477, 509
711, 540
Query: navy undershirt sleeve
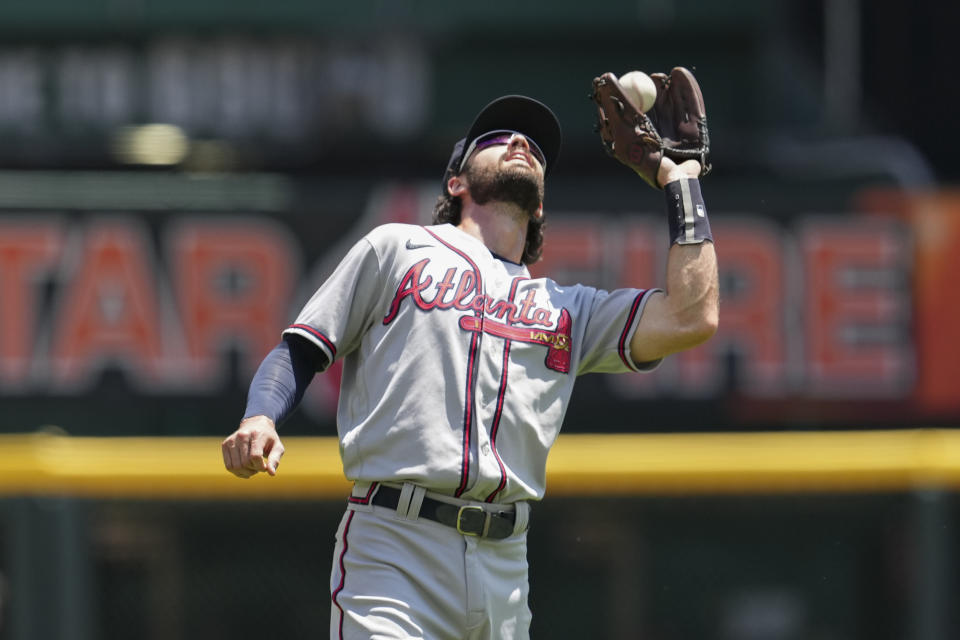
282, 378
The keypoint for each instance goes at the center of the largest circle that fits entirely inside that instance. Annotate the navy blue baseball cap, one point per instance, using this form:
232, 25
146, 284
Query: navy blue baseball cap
517, 113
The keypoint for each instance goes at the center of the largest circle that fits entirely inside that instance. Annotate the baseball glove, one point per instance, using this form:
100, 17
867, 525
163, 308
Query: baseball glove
675, 127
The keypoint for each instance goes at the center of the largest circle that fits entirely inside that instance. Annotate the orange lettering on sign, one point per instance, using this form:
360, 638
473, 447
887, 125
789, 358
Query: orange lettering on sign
856, 322
109, 312
234, 285
27, 251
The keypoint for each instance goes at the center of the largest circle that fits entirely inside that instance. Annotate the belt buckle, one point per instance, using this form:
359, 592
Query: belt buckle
469, 510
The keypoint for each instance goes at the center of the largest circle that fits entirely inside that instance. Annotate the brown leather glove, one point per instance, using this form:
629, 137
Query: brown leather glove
675, 127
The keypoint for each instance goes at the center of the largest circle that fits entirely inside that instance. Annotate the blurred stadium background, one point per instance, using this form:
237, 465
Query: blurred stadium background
177, 177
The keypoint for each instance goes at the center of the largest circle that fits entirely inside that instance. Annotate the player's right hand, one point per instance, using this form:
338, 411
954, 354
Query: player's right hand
252, 448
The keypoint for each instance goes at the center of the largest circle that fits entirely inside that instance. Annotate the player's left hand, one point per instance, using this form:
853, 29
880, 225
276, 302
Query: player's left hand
252, 448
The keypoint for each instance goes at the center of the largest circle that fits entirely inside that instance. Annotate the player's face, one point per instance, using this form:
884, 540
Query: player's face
507, 168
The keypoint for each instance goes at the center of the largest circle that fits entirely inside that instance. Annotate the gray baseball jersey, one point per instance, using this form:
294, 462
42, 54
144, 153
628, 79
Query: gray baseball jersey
458, 366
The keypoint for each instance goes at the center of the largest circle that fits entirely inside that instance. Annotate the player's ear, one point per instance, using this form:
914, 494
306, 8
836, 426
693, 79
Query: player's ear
538, 214
456, 186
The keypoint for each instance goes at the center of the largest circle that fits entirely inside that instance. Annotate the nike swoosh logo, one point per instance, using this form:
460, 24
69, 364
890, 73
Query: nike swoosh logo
417, 245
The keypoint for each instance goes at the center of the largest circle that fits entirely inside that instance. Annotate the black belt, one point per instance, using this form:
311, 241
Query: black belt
469, 519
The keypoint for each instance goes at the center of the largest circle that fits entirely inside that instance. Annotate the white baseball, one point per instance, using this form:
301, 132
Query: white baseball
640, 89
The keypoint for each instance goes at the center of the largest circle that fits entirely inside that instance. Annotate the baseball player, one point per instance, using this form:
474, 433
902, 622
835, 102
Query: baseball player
458, 367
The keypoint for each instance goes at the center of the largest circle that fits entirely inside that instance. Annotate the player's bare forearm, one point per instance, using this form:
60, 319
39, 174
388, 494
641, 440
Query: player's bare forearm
692, 291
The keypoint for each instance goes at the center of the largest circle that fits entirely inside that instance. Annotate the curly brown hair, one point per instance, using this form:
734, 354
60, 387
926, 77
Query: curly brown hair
448, 209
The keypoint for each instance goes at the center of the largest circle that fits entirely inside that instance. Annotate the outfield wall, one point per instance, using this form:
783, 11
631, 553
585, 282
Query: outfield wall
772, 536
579, 465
